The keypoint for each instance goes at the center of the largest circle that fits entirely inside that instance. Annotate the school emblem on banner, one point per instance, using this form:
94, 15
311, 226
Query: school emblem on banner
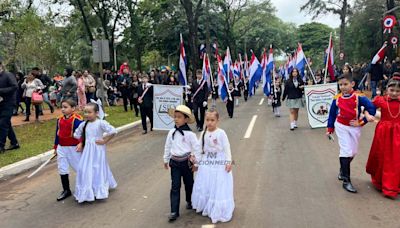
319, 99
165, 97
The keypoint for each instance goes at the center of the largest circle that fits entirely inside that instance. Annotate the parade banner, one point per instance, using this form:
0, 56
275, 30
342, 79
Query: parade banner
165, 97
318, 102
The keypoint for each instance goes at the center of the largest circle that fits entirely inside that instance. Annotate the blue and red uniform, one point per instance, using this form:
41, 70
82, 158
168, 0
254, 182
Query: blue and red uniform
65, 130
347, 107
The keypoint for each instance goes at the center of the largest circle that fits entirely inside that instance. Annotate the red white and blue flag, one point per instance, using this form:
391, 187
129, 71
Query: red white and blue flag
255, 71
222, 80
329, 60
236, 70
182, 64
268, 71
207, 71
228, 65
300, 61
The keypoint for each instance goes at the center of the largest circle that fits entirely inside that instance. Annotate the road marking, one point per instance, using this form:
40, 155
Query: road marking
250, 127
261, 102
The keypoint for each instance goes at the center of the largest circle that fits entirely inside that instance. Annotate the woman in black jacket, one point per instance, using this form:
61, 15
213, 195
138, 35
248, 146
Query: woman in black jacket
294, 88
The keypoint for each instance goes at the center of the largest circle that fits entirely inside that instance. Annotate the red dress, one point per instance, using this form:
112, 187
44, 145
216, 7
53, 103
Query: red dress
384, 158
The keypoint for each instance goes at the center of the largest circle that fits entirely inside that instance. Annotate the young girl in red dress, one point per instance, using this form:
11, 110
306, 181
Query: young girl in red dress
384, 159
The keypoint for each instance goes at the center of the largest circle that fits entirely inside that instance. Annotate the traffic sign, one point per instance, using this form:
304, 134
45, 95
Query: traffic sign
101, 51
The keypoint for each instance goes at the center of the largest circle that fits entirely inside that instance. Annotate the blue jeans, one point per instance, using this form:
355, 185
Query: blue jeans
374, 84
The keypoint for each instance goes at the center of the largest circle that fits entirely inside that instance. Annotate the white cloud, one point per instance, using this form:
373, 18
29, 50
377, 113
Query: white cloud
289, 11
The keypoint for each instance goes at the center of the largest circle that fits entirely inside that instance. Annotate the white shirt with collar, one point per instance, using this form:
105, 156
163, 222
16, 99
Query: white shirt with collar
181, 144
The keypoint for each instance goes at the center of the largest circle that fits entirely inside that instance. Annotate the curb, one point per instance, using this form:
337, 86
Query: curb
29, 163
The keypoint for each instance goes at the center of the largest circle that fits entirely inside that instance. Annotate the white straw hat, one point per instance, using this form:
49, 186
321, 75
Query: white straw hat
183, 109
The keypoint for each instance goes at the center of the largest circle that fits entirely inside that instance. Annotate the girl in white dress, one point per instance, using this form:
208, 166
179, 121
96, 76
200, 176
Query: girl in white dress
213, 186
94, 177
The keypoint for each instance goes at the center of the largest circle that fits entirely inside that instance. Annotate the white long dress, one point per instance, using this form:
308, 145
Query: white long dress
94, 177
213, 186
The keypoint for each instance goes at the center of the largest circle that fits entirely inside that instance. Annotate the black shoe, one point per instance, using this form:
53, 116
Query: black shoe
41, 114
51, 109
151, 129
340, 176
348, 186
172, 217
64, 194
13, 147
2, 150
189, 206
144, 132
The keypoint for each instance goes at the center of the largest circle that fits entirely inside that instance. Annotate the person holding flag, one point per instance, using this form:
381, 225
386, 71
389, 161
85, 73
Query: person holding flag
243, 76
222, 81
199, 99
376, 69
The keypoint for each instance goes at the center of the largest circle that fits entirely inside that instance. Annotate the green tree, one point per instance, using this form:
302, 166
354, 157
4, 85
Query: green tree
314, 38
341, 8
364, 32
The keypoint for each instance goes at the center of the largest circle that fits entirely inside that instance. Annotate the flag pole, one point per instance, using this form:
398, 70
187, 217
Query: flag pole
327, 56
312, 73
241, 71
211, 76
273, 72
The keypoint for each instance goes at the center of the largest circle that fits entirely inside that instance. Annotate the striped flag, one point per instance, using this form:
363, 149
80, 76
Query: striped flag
329, 60
380, 55
182, 64
207, 71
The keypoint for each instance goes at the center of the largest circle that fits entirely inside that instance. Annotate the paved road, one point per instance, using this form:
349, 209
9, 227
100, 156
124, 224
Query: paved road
282, 179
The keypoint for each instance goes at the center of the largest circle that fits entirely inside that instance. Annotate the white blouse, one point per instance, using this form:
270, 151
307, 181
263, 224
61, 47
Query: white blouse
30, 87
216, 141
95, 130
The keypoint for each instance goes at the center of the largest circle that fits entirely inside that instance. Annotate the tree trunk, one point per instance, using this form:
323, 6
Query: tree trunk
192, 19
85, 21
139, 59
343, 16
208, 36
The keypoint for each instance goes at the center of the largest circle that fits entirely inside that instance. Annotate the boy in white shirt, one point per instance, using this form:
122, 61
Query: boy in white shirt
180, 149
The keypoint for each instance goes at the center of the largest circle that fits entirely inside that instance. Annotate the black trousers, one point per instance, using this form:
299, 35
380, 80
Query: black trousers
246, 95
230, 105
146, 112
199, 109
134, 104
6, 128
345, 167
28, 102
180, 170
125, 98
